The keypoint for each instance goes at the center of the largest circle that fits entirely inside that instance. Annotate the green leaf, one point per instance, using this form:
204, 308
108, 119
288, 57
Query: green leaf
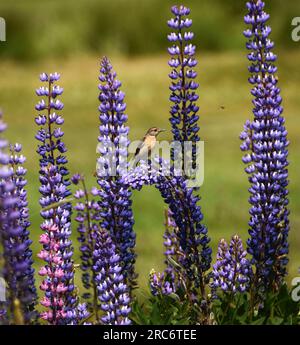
275, 321
260, 321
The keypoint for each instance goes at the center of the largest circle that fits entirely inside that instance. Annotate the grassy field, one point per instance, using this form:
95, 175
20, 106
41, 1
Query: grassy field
225, 105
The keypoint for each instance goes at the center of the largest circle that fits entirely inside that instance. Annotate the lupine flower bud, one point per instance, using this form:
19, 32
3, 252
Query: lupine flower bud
79, 315
161, 283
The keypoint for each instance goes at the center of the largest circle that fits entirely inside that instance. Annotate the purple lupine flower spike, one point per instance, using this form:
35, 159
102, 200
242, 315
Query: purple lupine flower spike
170, 238
265, 143
112, 289
174, 255
8, 223
58, 272
168, 281
184, 110
115, 196
14, 235
232, 270
87, 217
27, 294
192, 236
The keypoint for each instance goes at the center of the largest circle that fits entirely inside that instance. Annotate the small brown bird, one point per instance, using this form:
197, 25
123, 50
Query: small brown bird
148, 143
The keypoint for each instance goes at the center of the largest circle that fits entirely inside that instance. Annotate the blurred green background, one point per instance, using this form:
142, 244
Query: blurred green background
39, 29
71, 36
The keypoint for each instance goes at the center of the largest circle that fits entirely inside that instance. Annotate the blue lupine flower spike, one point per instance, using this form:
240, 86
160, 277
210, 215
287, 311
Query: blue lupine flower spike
265, 144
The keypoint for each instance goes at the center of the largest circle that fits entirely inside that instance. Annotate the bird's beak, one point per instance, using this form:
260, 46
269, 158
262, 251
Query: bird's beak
162, 130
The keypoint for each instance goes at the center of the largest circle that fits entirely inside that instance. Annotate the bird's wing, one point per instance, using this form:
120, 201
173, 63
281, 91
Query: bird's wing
138, 149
